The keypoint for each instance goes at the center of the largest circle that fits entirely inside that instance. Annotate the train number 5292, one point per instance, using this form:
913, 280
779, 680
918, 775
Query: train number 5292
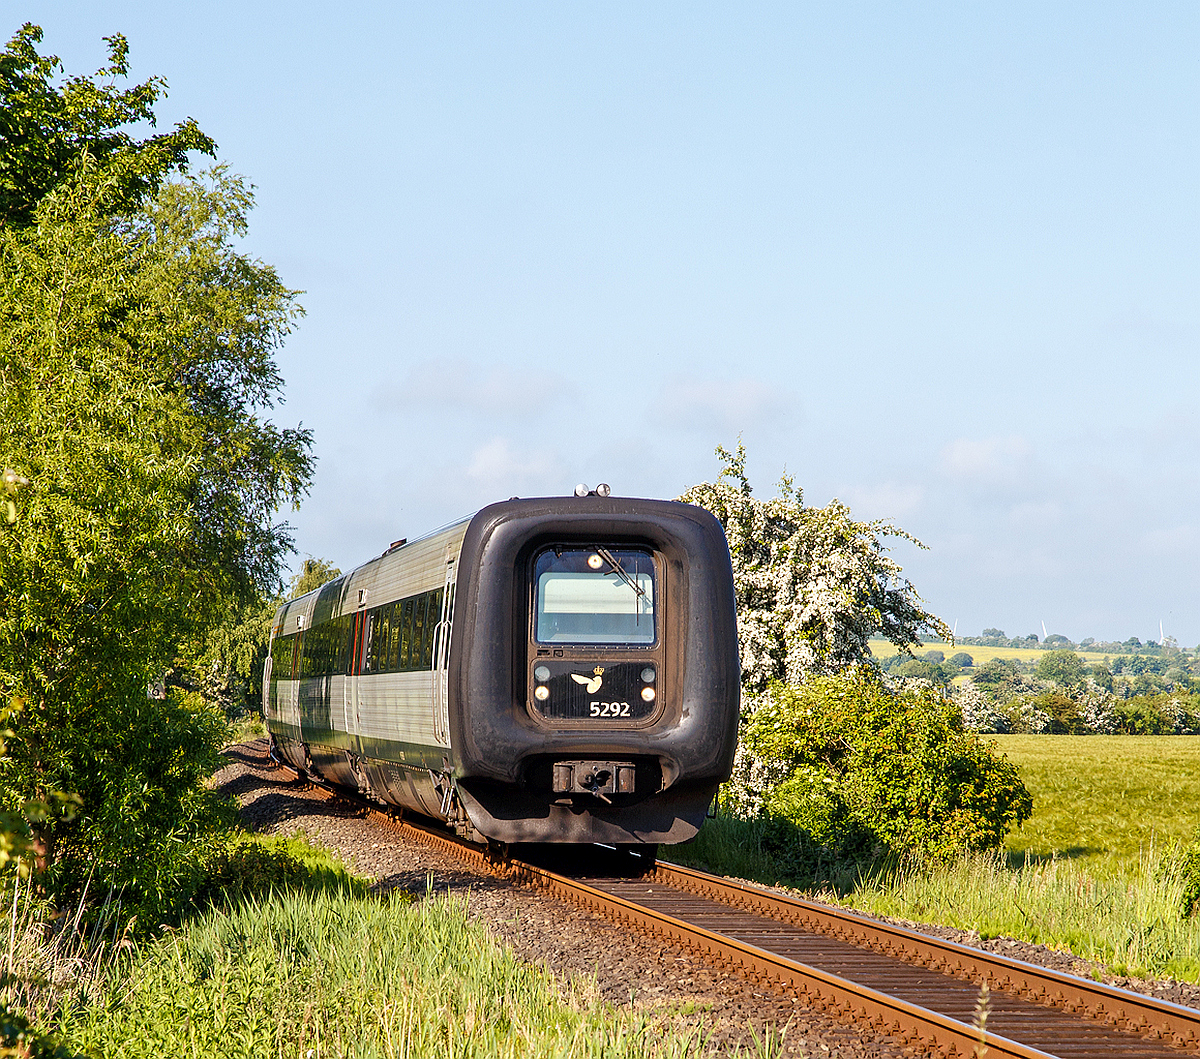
610, 709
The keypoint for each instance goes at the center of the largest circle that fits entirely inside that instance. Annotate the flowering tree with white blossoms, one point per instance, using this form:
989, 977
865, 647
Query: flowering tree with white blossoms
837, 760
812, 584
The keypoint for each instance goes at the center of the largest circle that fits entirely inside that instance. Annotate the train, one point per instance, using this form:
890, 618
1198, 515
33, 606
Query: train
548, 670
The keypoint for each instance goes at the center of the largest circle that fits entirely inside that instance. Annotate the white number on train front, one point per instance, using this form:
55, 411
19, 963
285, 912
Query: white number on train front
610, 709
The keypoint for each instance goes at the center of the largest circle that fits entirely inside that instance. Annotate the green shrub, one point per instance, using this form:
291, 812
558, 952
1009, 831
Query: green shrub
860, 769
1166, 713
1191, 877
19, 1039
251, 866
1061, 667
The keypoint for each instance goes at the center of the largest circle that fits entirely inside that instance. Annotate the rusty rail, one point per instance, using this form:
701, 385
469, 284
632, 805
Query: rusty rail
1118, 1007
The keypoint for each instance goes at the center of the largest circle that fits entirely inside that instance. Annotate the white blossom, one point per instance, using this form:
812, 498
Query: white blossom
1097, 708
812, 584
979, 712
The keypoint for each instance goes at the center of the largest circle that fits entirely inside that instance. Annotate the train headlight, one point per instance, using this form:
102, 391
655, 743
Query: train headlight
647, 694
648, 675
541, 674
541, 693
595, 562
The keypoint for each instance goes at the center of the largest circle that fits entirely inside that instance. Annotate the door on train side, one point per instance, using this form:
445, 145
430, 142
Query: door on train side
359, 638
441, 656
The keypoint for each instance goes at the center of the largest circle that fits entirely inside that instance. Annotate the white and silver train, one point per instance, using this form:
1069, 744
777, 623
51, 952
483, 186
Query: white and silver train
549, 670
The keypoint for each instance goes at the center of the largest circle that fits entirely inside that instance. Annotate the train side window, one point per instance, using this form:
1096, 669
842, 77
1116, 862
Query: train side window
309, 657
418, 632
380, 628
343, 635
405, 634
401, 634
434, 599
281, 656
396, 613
364, 645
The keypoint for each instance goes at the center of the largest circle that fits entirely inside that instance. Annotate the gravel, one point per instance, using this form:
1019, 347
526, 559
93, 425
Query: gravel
628, 971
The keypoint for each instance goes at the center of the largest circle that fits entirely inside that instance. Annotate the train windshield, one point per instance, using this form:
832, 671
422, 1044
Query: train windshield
594, 595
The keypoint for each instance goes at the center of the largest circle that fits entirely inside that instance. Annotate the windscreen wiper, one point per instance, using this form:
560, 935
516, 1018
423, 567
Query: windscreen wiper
612, 561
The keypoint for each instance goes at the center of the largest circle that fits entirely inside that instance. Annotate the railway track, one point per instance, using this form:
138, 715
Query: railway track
912, 986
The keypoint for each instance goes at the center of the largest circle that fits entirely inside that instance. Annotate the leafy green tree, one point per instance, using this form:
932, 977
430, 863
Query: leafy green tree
812, 584
47, 129
226, 668
313, 574
1061, 667
136, 368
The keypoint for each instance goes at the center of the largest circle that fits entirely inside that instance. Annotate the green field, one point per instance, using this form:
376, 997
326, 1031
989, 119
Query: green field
1103, 799
979, 655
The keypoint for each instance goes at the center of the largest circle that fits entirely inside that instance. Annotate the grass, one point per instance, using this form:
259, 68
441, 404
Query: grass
334, 975
1131, 924
324, 971
247, 727
1104, 800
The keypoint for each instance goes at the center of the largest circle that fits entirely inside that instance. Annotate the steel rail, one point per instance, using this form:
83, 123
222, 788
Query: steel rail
841, 997
1118, 1007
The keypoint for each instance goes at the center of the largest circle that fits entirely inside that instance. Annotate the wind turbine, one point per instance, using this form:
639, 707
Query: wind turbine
1044, 633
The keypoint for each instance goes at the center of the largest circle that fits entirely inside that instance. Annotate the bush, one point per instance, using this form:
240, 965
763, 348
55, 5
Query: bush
863, 770
252, 866
919, 669
1161, 714
1191, 875
962, 660
1060, 667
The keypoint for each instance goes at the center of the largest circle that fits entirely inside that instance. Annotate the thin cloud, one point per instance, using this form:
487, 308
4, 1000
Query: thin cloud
728, 405
988, 459
500, 461
890, 500
471, 386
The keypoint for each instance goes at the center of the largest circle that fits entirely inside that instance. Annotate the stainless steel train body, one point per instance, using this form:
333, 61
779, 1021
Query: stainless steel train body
549, 670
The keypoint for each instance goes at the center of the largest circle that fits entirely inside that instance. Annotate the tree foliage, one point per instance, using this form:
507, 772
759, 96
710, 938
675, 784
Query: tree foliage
47, 129
136, 367
861, 769
226, 667
813, 585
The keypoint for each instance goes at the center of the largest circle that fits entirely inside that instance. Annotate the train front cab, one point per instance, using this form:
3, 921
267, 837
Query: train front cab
594, 678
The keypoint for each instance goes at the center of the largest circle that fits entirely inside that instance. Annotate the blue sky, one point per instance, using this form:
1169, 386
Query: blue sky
940, 261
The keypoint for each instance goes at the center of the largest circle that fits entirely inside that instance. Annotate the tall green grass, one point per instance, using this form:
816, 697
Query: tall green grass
295, 957
331, 974
1132, 924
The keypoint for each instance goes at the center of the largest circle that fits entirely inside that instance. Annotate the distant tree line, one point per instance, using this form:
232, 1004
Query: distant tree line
1058, 642
1062, 693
